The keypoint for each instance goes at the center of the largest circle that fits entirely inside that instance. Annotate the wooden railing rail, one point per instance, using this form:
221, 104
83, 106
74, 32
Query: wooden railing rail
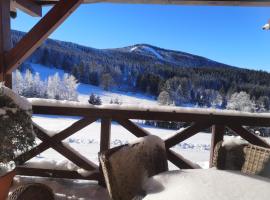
199, 122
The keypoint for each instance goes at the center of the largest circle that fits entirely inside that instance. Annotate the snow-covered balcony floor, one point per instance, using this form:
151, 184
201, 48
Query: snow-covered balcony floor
67, 189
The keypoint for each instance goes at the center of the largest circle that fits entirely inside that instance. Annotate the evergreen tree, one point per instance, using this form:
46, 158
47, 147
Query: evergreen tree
94, 100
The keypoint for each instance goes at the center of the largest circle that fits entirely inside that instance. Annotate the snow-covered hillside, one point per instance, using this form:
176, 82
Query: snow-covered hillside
85, 90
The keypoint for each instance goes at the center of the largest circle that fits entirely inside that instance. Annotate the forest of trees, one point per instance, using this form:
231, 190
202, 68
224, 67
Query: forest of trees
30, 85
184, 79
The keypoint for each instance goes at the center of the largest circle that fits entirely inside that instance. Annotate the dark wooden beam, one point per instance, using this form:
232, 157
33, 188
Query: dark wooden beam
21, 159
52, 173
29, 6
77, 159
133, 128
212, 118
105, 134
186, 133
105, 139
32, 40
251, 138
180, 2
5, 40
218, 132
179, 161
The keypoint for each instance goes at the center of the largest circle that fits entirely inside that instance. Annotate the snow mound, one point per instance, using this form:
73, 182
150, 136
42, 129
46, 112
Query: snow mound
207, 185
153, 108
230, 142
20, 101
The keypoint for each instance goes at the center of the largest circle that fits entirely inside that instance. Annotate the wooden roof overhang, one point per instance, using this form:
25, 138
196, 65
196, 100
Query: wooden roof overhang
12, 57
179, 2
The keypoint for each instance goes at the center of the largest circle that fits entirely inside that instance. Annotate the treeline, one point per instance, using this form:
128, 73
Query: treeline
30, 85
207, 87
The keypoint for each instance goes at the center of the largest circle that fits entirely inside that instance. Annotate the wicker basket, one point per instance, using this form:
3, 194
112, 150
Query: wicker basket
249, 159
33, 191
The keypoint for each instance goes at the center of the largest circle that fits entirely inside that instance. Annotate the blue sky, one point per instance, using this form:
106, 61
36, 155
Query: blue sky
231, 35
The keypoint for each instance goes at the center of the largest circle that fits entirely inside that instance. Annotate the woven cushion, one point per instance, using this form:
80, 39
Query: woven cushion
257, 161
125, 168
35, 191
247, 158
229, 157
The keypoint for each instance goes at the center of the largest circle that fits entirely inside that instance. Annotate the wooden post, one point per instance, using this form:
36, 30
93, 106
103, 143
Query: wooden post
105, 139
218, 132
5, 40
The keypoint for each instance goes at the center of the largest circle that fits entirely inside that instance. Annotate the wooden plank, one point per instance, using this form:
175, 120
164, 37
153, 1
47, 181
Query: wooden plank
183, 116
69, 154
133, 128
105, 135
78, 125
180, 2
52, 173
5, 39
105, 138
32, 40
218, 132
245, 134
29, 6
185, 134
75, 127
179, 160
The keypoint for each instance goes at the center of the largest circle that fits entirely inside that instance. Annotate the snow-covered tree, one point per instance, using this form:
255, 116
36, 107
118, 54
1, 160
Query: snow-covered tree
39, 87
54, 87
241, 101
217, 100
30, 85
69, 88
17, 82
164, 98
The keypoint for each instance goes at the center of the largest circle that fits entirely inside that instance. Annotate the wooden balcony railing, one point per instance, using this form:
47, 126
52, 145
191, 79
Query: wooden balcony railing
200, 121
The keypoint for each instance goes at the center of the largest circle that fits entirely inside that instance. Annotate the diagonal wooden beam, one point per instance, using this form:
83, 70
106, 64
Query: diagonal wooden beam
186, 133
27, 171
29, 6
251, 138
180, 161
78, 125
218, 132
34, 38
68, 153
133, 128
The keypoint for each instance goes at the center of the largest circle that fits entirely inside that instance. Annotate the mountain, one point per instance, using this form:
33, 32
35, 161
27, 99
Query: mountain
170, 57
140, 54
145, 68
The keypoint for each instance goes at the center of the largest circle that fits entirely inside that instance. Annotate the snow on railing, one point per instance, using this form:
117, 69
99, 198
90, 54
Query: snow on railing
132, 107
